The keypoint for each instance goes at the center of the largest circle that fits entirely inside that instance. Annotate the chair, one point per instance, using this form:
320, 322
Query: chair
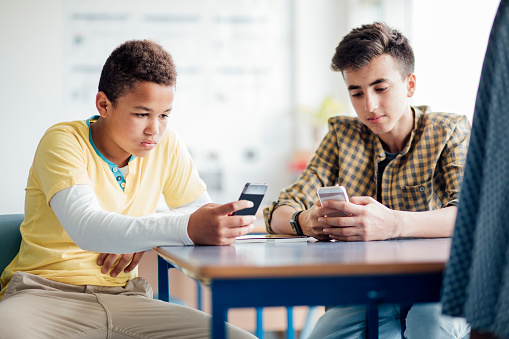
10, 238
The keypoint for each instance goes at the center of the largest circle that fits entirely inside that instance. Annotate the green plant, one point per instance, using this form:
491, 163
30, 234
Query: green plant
328, 108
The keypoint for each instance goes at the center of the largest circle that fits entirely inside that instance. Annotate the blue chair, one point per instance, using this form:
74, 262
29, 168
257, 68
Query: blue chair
10, 238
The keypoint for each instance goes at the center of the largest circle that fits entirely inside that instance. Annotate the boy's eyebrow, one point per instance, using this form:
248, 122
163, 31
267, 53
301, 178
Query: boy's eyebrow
143, 108
377, 81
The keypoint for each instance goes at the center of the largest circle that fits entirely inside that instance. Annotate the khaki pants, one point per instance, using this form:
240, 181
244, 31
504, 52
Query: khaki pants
34, 307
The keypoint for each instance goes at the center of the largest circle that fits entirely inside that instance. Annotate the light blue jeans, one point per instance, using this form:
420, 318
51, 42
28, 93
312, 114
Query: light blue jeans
422, 322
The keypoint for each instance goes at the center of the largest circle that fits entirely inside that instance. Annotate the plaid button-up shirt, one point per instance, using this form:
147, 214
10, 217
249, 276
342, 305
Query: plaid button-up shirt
426, 175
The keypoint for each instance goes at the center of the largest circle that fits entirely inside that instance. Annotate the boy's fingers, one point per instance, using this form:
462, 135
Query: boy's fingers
122, 263
108, 262
134, 262
235, 206
100, 258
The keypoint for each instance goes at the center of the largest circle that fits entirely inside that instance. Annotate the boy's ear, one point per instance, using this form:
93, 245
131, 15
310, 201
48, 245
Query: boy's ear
411, 85
102, 103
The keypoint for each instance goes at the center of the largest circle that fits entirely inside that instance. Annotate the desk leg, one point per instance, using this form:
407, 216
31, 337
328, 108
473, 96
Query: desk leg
163, 282
259, 322
290, 333
219, 316
372, 321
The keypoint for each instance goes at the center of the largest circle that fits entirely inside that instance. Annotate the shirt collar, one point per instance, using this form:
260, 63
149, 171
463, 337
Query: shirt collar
119, 177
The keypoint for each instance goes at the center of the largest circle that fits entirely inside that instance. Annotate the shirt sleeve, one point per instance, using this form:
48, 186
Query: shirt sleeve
183, 183
60, 162
451, 164
321, 171
94, 229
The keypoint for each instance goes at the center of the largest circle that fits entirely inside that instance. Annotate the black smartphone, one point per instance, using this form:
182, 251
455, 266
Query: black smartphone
254, 193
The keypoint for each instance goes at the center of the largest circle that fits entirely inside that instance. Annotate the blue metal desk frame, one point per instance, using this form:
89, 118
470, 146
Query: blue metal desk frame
372, 290
164, 294
416, 283
369, 290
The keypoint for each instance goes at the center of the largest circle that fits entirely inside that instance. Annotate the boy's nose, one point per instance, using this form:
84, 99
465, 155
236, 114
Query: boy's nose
152, 128
371, 103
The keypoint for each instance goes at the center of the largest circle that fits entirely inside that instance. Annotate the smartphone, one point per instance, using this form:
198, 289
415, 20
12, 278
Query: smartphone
254, 193
333, 193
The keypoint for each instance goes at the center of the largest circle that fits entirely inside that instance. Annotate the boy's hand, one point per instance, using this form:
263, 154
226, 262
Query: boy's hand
127, 262
310, 224
368, 220
214, 224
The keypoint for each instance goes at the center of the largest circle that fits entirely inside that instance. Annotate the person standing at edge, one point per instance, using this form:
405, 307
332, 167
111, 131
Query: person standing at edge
476, 279
401, 164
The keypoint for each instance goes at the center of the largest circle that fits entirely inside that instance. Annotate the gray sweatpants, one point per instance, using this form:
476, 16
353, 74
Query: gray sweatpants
34, 307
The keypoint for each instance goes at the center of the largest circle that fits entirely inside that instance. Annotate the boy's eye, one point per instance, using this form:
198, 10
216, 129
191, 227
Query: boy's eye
356, 95
381, 89
141, 115
164, 116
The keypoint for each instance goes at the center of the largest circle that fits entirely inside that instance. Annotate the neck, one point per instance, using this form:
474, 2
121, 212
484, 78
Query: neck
397, 139
108, 148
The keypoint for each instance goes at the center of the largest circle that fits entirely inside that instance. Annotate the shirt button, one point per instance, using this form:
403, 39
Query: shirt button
115, 170
421, 189
119, 178
123, 185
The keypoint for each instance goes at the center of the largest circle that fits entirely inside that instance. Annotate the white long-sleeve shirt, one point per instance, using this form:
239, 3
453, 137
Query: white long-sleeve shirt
94, 229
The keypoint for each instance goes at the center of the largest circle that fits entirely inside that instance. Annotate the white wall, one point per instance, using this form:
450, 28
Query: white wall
449, 49
31, 56
450, 39
36, 51
319, 26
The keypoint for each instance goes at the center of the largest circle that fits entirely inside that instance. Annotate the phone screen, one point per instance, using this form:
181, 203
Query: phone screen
254, 193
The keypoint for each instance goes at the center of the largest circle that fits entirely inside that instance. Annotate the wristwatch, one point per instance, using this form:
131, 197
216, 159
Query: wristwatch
294, 222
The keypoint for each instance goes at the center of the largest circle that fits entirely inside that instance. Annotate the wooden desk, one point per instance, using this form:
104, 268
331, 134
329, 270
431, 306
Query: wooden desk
319, 273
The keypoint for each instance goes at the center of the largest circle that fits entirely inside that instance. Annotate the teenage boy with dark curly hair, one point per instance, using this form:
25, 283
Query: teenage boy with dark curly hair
401, 164
92, 193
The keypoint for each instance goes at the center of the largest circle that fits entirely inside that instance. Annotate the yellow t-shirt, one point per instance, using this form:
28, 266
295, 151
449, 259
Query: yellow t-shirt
65, 157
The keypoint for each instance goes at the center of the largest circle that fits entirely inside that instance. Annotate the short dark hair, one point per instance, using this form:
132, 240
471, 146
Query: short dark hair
367, 42
136, 61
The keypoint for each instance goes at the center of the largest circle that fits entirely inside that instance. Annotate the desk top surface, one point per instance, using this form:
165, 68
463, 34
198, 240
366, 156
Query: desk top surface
304, 259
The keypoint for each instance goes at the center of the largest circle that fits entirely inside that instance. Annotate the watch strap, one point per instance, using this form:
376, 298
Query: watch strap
294, 222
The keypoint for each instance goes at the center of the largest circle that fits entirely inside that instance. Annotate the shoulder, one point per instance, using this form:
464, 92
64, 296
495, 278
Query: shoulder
66, 132
442, 120
169, 141
344, 121
66, 144
348, 127
170, 150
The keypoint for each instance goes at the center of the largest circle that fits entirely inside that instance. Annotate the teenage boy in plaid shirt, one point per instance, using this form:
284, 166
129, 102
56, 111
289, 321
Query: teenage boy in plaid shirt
402, 167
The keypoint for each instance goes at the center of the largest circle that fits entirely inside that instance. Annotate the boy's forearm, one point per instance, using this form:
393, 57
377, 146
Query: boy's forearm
429, 224
280, 222
94, 229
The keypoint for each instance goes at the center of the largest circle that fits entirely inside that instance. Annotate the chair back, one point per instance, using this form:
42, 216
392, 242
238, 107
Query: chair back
10, 238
